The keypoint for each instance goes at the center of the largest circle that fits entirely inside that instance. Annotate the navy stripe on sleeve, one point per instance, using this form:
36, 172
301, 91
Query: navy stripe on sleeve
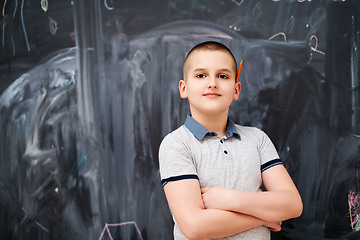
270, 164
177, 178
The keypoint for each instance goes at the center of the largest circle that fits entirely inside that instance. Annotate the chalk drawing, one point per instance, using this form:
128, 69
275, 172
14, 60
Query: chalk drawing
78, 164
16, 5
290, 25
13, 45
314, 49
316, 45
354, 209
235, 28
107, 225
3, 27
257, 11
3, 10
23, 25
44, 5
36, 222
278, 34
238, 2
107, 5
52, 26
212, 35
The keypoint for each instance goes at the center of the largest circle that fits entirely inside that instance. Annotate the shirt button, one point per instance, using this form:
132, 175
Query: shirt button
225, 152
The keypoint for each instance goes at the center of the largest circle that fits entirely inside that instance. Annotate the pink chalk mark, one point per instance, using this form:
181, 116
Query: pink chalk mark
212, 35
107, 225
354, 207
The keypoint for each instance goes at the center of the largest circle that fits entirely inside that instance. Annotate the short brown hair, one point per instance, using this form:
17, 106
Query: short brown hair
210, 46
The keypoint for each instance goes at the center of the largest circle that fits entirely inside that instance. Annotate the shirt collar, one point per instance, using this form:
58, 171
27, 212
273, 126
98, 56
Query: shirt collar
199, 131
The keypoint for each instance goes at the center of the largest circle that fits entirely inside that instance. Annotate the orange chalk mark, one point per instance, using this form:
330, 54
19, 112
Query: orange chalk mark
238, 75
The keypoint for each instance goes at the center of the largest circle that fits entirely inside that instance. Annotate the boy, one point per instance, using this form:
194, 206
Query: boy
212, 169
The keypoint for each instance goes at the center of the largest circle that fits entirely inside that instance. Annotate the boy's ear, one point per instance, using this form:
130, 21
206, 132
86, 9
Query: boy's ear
237, 90
182, 89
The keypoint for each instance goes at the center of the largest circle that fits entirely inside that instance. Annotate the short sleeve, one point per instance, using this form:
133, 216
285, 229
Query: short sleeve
175, 159
269, 157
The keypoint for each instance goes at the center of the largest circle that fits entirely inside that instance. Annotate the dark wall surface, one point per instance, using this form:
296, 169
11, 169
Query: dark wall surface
88, 89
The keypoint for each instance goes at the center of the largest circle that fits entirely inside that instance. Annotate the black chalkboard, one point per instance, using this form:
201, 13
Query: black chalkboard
88, 89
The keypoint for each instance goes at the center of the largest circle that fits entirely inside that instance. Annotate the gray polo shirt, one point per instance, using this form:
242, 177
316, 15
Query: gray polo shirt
234, 161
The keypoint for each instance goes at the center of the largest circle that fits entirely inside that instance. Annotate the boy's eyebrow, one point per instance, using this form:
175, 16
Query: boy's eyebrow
199, 69
220, 70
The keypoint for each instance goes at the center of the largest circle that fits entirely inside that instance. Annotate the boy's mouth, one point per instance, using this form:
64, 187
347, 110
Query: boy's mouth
212, 94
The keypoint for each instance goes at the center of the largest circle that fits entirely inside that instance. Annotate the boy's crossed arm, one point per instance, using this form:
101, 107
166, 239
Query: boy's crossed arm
281, 201
219, 212
197, 222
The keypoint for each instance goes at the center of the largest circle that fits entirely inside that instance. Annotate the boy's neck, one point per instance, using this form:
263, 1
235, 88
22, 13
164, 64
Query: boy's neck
213, 123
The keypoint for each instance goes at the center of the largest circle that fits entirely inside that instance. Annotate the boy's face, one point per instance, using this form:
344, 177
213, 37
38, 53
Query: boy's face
209, 82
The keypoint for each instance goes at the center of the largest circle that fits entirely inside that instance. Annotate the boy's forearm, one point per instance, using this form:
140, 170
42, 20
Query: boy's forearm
215, 223
270, 206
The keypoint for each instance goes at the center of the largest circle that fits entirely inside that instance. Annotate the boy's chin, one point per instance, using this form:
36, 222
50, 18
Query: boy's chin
214, 112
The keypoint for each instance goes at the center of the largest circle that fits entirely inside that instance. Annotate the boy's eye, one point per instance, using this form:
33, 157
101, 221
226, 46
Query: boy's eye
223, 76
200, 75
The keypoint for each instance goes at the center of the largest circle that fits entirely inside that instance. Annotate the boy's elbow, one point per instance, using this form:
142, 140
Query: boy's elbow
299, 209
191, 229
192, 236
293, 209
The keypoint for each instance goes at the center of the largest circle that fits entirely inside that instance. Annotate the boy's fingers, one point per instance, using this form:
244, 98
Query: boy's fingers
277, 228
203, 190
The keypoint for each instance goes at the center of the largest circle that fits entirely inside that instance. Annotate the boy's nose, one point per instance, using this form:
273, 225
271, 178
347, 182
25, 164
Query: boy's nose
213, 82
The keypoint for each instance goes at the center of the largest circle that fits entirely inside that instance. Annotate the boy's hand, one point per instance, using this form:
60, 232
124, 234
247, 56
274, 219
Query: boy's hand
217, 198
